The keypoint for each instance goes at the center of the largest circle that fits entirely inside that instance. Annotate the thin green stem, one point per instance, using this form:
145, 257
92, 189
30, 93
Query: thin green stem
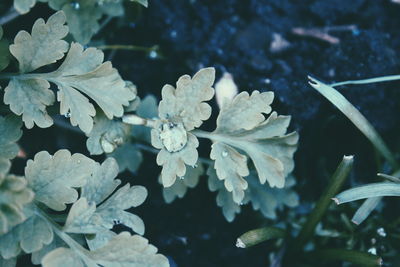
323, 203
370, 80
356, 257
128, 47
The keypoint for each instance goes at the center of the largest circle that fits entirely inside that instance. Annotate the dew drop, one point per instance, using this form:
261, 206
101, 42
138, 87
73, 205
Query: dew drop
224, 153
67, 115
75, 5
372, 251
195, 166
241, 203
153, 54
79, 161
182, 177
381, 232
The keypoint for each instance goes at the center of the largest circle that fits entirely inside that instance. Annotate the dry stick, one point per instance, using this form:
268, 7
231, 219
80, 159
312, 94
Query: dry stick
323, 33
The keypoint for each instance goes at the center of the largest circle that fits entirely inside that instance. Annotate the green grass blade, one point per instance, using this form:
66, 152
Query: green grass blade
355, 117
356, 257
259, 235
368, 191
323, 203
370, 80
365, 209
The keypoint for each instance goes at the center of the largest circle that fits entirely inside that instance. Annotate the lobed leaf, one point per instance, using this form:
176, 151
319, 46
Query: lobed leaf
267, 199
224, 198
44, 46
267, 144
230, 166
53, 178
14, 195
186, 102
174, 163
83, 71
180, 187
122, 250
83, 21
30, 98
10, 132
23, 6
28, 236
244, 112
84, 217
128, 156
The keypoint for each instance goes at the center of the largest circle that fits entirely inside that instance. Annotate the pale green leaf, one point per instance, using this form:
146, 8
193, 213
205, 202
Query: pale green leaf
38, 255
44, 46
365, 209
267, 144
127, 250
23, 6
8, 263
112, 8
122, 250
30, 98
29, 236
83, 21
10, 132
368, 191
244, 112
128, 156
62, 257
355, 116
224, 198
230, 166
53, 178
102, 183
106, 135
267, 199
85, 218
14, 195
186, 102
83, 71
180, 187
100, 239
174, 163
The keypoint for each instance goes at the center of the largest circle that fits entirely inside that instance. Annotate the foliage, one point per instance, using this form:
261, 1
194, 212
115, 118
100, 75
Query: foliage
82, 16
63, 209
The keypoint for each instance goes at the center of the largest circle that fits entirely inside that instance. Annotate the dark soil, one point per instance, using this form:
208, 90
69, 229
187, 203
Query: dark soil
235, 36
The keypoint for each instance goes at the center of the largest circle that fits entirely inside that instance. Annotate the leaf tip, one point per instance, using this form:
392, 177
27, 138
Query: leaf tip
336, 200
240, 244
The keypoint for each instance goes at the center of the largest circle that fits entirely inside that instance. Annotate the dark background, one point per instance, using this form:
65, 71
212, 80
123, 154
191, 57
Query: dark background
235, 36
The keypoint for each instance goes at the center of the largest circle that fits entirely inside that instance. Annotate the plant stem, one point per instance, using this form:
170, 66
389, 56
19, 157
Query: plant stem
323, 203
256, 236
357, 257
9, 16
128, 47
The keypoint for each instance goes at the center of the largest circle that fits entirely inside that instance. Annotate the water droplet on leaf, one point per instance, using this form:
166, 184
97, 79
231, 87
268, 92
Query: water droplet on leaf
67, 115
224, 153
75, 5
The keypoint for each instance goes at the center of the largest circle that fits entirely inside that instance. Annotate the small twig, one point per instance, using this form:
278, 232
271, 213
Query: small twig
323, 33
9, 16
128, 47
